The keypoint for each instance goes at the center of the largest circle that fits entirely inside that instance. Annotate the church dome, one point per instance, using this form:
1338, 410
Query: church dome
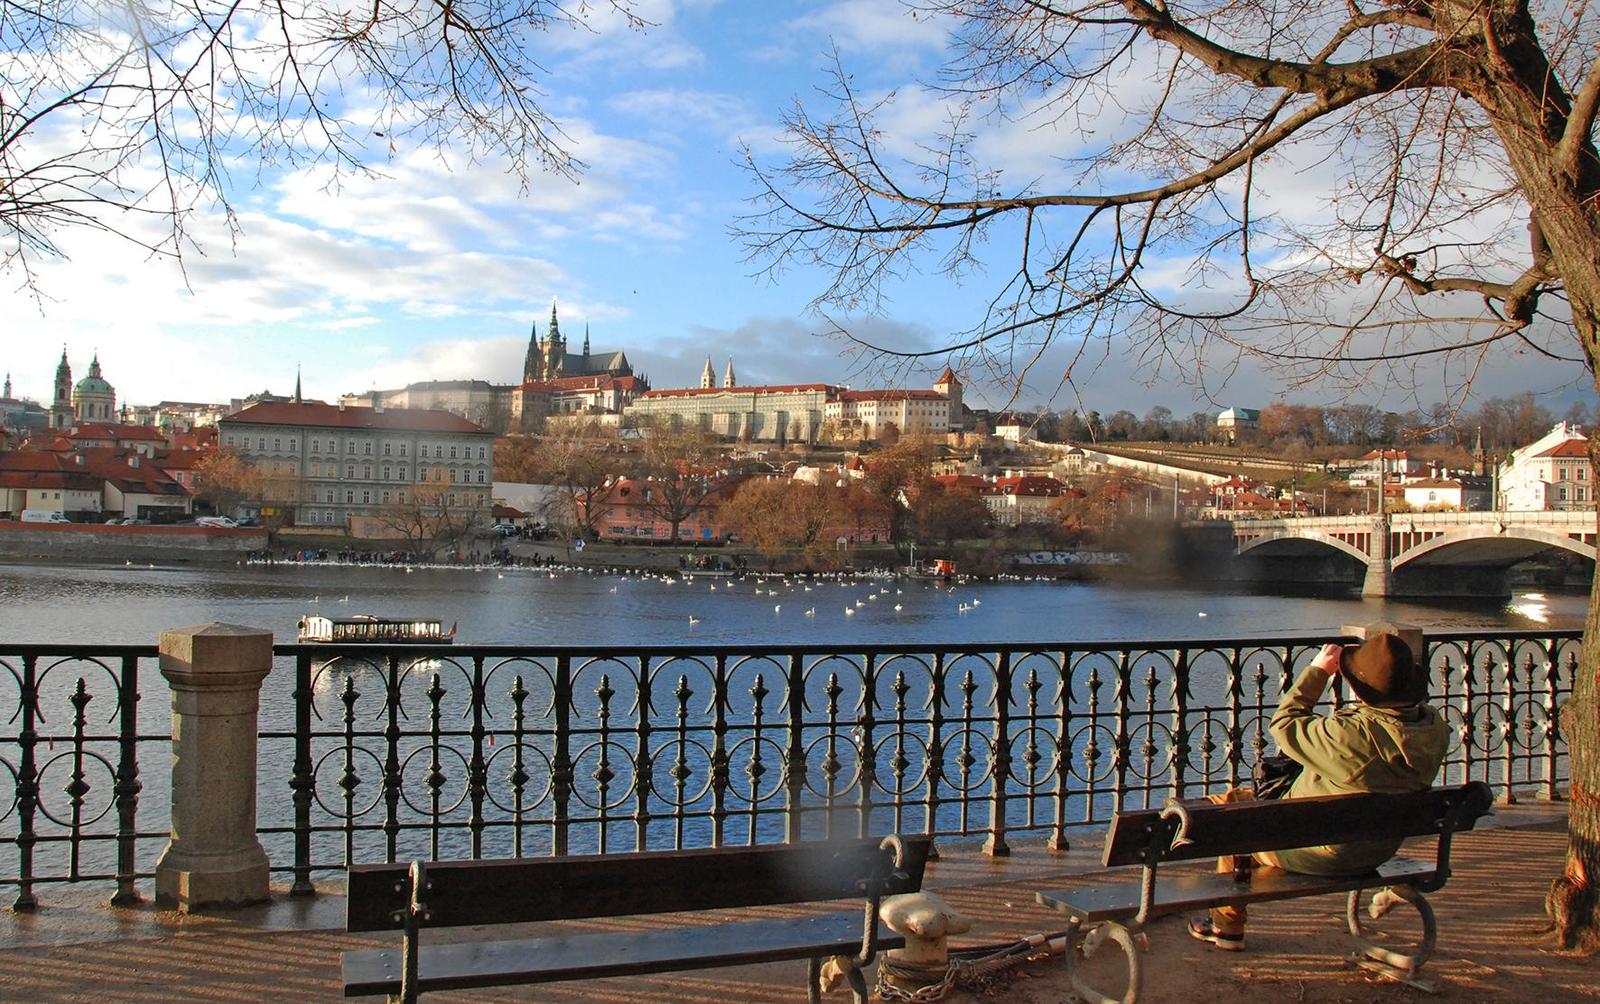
93, 385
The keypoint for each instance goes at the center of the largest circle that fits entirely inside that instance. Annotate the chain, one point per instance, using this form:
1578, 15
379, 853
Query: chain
980, 974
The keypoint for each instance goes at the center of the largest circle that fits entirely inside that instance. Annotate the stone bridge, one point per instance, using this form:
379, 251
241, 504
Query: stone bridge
1431, 554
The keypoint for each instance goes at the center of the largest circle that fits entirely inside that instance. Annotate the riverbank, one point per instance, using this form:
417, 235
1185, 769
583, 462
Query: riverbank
89, 542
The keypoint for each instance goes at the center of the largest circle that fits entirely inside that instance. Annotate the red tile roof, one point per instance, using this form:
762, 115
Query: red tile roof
774, 389
1025, 484
890, 395
101, 430
332, 416
1568, 448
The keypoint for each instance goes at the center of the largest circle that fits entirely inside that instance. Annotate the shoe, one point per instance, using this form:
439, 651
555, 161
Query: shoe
1201, 930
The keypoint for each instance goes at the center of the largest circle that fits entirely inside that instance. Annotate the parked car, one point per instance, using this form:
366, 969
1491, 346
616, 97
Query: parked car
506, 529
217, 522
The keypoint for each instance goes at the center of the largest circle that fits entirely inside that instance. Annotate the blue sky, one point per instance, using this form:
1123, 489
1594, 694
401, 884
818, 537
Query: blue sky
438, 269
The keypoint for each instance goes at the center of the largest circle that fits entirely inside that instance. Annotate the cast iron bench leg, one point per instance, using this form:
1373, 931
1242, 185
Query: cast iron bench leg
1400, 966
1127, 939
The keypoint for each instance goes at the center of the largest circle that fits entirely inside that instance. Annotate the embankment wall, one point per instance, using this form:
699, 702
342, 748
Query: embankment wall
90, 542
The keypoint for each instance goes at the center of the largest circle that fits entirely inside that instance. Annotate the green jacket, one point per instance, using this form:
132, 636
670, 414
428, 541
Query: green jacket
1355, 749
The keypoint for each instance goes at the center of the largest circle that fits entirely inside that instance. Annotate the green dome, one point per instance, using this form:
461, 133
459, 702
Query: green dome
93, 385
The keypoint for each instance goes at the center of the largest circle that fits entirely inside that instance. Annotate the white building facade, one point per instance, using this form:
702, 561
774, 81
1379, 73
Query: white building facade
1552, 472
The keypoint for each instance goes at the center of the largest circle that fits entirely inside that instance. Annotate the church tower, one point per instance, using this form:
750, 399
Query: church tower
555, 348
586, 343
61, 403
533, 362
708, 376
950, 387
727, 378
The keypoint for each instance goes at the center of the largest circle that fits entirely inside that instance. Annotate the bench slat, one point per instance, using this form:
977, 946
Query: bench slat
1243, 827
1193, 890
518, 890
619, 953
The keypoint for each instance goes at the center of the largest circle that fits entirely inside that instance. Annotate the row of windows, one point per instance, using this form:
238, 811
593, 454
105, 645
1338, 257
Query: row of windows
332, 446
368, 497
454, 475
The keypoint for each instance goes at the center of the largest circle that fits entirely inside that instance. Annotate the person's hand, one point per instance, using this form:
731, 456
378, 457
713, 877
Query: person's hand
1329, 659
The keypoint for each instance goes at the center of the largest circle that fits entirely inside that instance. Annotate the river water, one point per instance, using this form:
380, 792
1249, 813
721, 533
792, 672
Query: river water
128, 604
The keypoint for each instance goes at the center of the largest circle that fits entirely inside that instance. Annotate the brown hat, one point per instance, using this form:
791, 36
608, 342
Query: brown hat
1383, 673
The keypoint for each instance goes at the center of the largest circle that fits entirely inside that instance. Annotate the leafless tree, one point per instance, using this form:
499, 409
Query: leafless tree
1449, 144
114, 116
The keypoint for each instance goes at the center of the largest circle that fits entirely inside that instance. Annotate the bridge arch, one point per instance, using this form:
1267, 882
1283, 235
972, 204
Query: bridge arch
1484, 545
1312, 536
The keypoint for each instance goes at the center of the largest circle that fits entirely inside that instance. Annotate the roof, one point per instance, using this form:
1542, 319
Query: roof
1568, 448
890, 395
1433, 483
37, 468
702, 391
93, 385
1241, 414
1025, 484
948, 376
319, 415
1385, 455
107, 430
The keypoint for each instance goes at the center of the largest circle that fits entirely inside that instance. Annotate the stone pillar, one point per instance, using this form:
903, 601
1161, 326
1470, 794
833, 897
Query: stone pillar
1380, 576
214, 857
1408, 633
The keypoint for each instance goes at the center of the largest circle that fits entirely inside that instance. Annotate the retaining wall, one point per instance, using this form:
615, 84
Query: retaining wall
92, 542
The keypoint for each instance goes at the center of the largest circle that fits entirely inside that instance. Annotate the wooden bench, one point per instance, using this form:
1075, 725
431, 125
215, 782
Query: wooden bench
397, 897
1195, 830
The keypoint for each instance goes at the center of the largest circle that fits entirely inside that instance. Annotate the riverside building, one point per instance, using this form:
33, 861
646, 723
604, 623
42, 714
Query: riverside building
344, 466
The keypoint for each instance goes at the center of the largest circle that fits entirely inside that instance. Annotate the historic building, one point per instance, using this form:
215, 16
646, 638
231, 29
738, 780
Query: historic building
1552, 472
550, 360
92, 399
343, 466
867, 414
791, 413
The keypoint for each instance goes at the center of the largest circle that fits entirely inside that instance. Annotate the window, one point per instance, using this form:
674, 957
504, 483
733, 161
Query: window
366, 473
315, 448
385, 498
1563, 473
388, 449
480, 453
350, 447
350, 471
452, 453
349, 497
1582, 473
327, 517
480, 477
386, 474
403, 449
291, 444
369, 449
330, 495
277, 444
261, 443
366, 498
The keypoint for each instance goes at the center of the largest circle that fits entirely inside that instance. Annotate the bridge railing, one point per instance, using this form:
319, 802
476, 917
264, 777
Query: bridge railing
377, 753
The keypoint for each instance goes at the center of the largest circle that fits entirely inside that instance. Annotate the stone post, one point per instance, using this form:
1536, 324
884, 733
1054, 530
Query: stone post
1379, 580
1408, 633
214, 857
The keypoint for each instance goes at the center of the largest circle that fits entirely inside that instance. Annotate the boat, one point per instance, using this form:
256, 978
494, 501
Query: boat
364, 629
942, 570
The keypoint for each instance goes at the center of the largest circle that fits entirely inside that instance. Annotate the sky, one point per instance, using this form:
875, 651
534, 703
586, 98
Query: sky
439, 268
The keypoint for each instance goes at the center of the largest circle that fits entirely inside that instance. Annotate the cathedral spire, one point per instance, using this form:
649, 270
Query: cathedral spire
94, 365
297, 398
727, 377
708, 376
585, 339
533, 362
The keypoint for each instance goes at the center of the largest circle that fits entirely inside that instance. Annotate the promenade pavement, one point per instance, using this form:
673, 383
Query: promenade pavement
75, 948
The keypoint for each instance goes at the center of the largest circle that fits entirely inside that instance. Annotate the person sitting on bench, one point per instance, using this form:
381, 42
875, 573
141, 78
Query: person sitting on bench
1388, 740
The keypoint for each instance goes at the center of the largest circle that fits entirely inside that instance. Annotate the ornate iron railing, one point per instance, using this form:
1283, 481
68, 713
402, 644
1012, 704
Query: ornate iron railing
376, 753
70, 746
491, 751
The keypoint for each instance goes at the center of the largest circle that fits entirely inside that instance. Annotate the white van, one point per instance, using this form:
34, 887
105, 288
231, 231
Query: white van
217, 522
43, 516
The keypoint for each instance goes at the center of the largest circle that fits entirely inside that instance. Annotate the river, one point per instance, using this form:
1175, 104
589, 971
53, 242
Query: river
130, 604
